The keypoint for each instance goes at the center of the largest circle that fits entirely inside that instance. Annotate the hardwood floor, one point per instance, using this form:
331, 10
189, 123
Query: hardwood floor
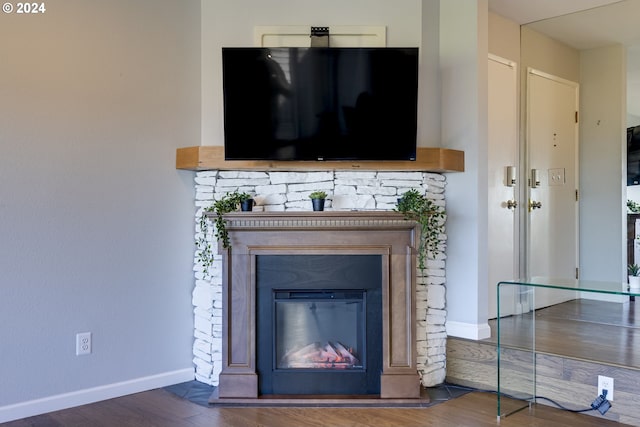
160, 408
575, 342
606, 332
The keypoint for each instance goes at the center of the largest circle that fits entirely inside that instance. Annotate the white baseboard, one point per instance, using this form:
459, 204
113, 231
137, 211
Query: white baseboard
605, 297
90, 395
470, 331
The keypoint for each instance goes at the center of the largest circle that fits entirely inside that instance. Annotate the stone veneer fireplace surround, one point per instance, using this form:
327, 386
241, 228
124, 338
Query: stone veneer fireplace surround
287, 191
350, 233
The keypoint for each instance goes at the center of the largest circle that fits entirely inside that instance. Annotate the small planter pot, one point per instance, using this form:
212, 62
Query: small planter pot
634, 284
246, 205
318, 204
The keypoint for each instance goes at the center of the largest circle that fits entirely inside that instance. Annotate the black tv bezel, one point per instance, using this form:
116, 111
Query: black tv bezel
390, 152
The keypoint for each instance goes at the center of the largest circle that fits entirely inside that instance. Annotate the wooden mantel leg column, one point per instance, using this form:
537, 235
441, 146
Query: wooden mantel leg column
400, 377
238, 377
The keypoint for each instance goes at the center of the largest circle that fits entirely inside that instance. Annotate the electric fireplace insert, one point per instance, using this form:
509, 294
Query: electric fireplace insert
319, 324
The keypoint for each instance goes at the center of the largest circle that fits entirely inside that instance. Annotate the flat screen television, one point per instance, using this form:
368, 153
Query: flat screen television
320, 103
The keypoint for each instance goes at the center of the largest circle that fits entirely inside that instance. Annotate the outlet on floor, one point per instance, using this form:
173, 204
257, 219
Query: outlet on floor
605, 383
83, 343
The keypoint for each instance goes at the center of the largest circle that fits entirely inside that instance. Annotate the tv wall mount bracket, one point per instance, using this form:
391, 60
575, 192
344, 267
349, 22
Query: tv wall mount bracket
319, 36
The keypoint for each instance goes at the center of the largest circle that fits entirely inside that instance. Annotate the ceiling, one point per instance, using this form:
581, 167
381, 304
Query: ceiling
527, 11
584, 24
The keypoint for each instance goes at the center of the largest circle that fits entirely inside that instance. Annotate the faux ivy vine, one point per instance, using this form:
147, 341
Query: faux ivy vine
424, 211
204, 251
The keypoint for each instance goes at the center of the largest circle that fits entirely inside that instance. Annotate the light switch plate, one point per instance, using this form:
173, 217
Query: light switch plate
557, 176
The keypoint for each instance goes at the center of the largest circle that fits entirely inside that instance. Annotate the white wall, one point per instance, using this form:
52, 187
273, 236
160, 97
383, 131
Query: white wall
603, 180
546, 54
464, 79
504, 37
96, 224
633, 193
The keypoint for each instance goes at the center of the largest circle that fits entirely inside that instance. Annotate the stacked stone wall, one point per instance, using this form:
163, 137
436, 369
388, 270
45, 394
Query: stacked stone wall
284, 191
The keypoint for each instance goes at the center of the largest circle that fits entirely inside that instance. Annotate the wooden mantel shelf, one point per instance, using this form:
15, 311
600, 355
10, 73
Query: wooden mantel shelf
201, 158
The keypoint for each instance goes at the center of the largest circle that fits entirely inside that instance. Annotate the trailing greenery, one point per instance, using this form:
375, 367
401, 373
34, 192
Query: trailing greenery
227, 203
318, 195
424, 211
634, 270
633, 206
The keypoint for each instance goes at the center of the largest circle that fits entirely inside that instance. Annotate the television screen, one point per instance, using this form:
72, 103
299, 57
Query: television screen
320, 103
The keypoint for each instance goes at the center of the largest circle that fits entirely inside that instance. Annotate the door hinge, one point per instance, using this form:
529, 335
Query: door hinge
576, 117
577, 273
577, 196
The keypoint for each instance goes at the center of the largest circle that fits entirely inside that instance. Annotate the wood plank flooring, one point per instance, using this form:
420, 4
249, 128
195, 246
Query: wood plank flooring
600, 331
160, 408
575, 342
613, 341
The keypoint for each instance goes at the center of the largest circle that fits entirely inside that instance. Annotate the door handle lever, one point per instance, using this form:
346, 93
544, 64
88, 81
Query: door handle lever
534, 205
512, 204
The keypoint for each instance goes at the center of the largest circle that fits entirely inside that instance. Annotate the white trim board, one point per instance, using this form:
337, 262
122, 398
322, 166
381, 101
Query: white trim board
469, 331
339, 36
90, 395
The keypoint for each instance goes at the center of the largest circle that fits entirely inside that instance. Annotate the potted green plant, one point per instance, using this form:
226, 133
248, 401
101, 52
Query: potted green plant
633, 207
246, 202
416, 206
318, 198
227, 203
634, 277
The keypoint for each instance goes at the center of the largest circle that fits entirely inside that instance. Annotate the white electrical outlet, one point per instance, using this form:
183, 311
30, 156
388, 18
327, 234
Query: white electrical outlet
83, 343
605, 383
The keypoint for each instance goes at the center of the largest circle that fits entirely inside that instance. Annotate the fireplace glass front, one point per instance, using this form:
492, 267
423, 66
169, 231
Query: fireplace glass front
320, 329
319, 324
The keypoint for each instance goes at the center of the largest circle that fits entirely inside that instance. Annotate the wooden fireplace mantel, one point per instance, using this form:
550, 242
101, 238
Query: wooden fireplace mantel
386, 234
428, 159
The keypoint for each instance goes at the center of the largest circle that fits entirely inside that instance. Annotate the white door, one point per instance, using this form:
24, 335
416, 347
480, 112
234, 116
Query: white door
552, 152
503, 192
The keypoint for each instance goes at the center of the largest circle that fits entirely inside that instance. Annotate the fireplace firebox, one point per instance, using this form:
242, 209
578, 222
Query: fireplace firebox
319, 327
319, 330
